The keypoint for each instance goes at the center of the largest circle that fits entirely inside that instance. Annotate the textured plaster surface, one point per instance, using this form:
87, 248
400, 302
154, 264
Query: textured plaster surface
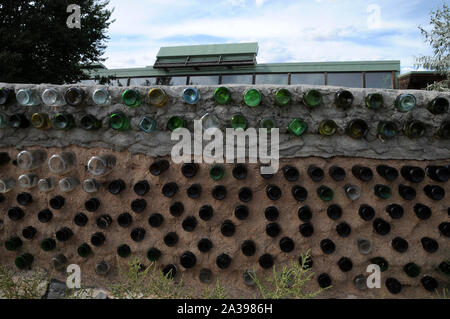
133, 168
311, 144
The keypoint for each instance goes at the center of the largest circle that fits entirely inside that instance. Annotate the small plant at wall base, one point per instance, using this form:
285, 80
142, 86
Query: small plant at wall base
14, 285
439, 39
288, 283
140, 282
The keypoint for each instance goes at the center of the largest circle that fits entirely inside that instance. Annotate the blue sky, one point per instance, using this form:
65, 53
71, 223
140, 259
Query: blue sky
286, 30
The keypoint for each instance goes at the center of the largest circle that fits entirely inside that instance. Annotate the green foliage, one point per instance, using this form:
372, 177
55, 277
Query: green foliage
444, 295
38, 47
216, 292
289, 282
140, 282
439, 39
19, 286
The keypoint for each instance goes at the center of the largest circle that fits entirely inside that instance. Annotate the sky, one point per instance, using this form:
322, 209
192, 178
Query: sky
286, 30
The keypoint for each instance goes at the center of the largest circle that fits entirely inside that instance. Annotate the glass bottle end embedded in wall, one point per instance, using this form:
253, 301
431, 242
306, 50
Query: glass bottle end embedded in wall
405, 102
52, 97
63, 121
312, 98
387, 130
325, 193
157, 97
353, 192
28, 181
268, 124
222, 95
41, 121
210, 121
176, 122
74, 96
7, 184
131, 98
101, 97
68, 184
414, 129
374, 101
238, 121
357, 129
30, 160
282, 97
328, 128
297, 127
438, 106
101, 164
119, 121
216, 172
89, 122
28, 97
62, 163
252, 97
343, 99
24, 261
191, 95
147, 124
18, 121
46, 185
90, 185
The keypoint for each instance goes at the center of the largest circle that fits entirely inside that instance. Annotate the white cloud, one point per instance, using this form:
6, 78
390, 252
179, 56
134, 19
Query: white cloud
286, 31
259, 3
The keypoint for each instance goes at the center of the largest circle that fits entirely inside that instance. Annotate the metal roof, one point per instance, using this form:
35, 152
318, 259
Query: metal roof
209, 49
300, 67
197, 56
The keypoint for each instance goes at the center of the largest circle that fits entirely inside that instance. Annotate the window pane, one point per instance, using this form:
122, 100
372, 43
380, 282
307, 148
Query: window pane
237, 79
87, 82
353, 80
122, 82
379, 80
271, 79
143, 81
172, 81
204, 80
308, 78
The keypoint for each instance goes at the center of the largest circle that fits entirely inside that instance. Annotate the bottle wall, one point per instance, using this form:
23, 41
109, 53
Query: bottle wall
134, 151
134, 168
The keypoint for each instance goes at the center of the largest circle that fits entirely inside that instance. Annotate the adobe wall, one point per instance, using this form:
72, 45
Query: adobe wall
135, 151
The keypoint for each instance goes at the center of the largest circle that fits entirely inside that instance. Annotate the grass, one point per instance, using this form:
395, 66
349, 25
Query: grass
445, 294
18, 286
289, 283
136, 281
216, 292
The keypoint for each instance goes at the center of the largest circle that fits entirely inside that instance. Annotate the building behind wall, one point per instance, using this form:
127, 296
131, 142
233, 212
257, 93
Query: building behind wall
236, 64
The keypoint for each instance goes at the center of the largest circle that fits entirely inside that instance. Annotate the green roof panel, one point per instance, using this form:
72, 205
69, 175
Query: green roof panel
209, 49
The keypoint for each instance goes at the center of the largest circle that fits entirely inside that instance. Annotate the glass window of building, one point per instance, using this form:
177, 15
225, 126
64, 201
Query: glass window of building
308, 78
87, 82
171, 80
353, 80
143, 81
271, 79
237, 79
122, 82
379, 80
204, 80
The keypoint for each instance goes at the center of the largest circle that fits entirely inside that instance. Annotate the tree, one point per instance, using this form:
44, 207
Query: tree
439, 39
37, 46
